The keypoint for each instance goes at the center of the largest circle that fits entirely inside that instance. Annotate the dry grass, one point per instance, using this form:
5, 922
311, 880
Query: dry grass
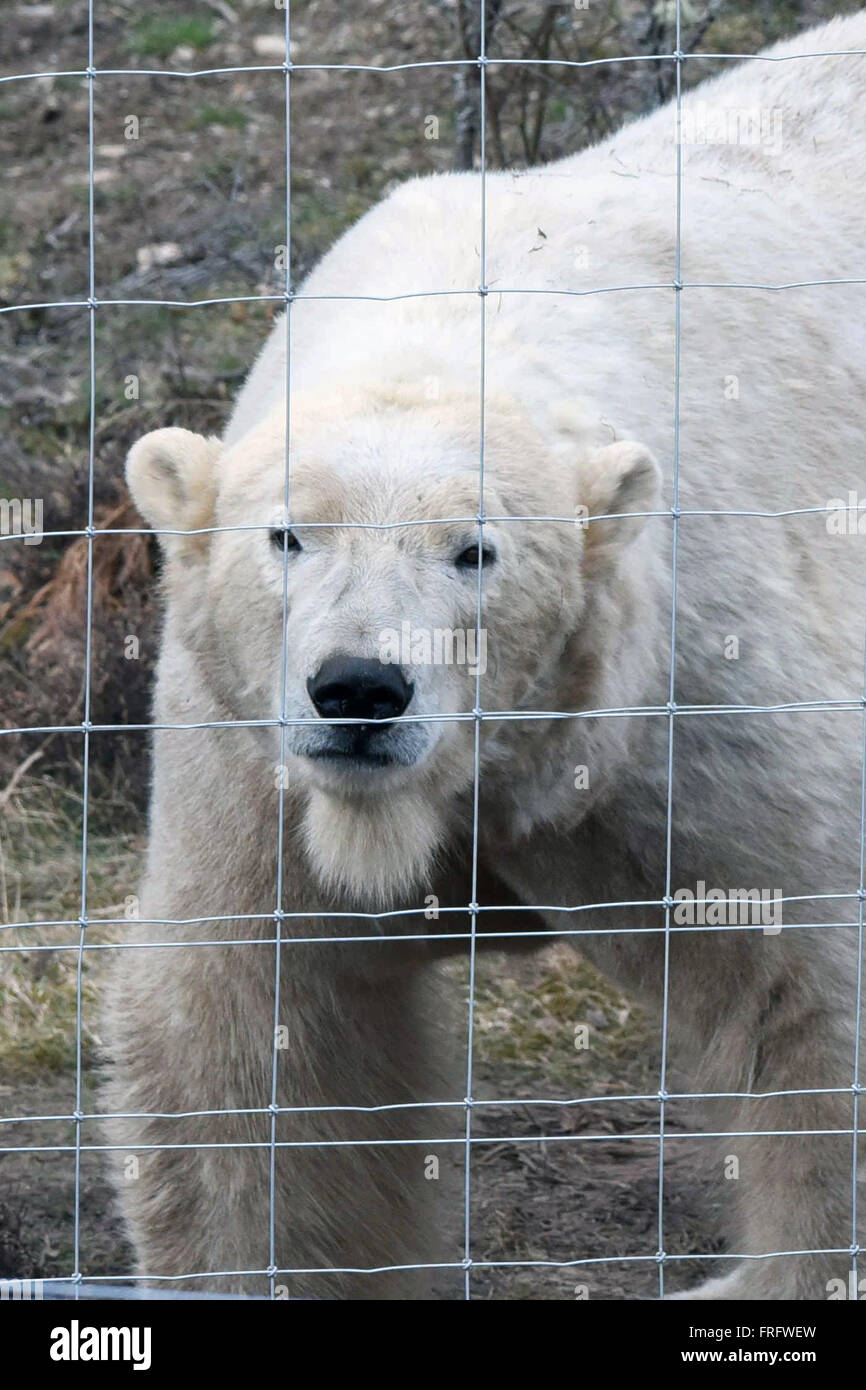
40, 881
532, 1021
530, 1015
527, 1009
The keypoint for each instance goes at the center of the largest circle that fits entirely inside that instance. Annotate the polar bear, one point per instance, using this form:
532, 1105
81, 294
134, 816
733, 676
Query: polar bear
658, 746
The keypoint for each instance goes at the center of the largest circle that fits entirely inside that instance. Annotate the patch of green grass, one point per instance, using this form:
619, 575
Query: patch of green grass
229, 116
319, 218
218, 169
231, 362
159, 35
14, 266
70, 84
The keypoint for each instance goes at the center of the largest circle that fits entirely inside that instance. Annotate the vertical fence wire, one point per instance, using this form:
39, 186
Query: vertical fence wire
675, 530
479, 618
88, 645
284, 658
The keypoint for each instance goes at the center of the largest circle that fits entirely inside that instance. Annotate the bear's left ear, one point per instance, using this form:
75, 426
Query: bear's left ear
616, 481
171, 474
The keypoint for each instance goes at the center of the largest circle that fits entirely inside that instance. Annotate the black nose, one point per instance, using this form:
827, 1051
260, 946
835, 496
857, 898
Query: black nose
348, 687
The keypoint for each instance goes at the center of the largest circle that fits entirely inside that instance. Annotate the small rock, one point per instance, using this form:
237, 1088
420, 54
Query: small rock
158, 253
270, 46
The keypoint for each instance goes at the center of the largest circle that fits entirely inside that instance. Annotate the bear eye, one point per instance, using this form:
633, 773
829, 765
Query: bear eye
468, 559
282, 539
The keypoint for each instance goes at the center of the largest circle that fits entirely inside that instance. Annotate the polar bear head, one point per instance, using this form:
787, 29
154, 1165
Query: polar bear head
361, 611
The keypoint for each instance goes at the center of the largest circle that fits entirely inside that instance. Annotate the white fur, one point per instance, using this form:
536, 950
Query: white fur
386, 428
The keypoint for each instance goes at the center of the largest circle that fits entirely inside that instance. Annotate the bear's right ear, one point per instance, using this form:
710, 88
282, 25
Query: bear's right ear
171, 474
621, 481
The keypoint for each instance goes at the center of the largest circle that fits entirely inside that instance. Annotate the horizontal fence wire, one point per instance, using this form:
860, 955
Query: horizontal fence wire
79, 1285
482, 61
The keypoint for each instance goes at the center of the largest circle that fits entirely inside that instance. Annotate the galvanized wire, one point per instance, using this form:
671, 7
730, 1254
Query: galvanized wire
76, 1282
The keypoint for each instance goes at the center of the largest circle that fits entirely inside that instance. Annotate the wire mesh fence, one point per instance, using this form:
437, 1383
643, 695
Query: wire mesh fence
278, 925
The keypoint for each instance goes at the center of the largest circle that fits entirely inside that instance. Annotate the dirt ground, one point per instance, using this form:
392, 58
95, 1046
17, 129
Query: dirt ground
554, 1199
531, 1201
190, 204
